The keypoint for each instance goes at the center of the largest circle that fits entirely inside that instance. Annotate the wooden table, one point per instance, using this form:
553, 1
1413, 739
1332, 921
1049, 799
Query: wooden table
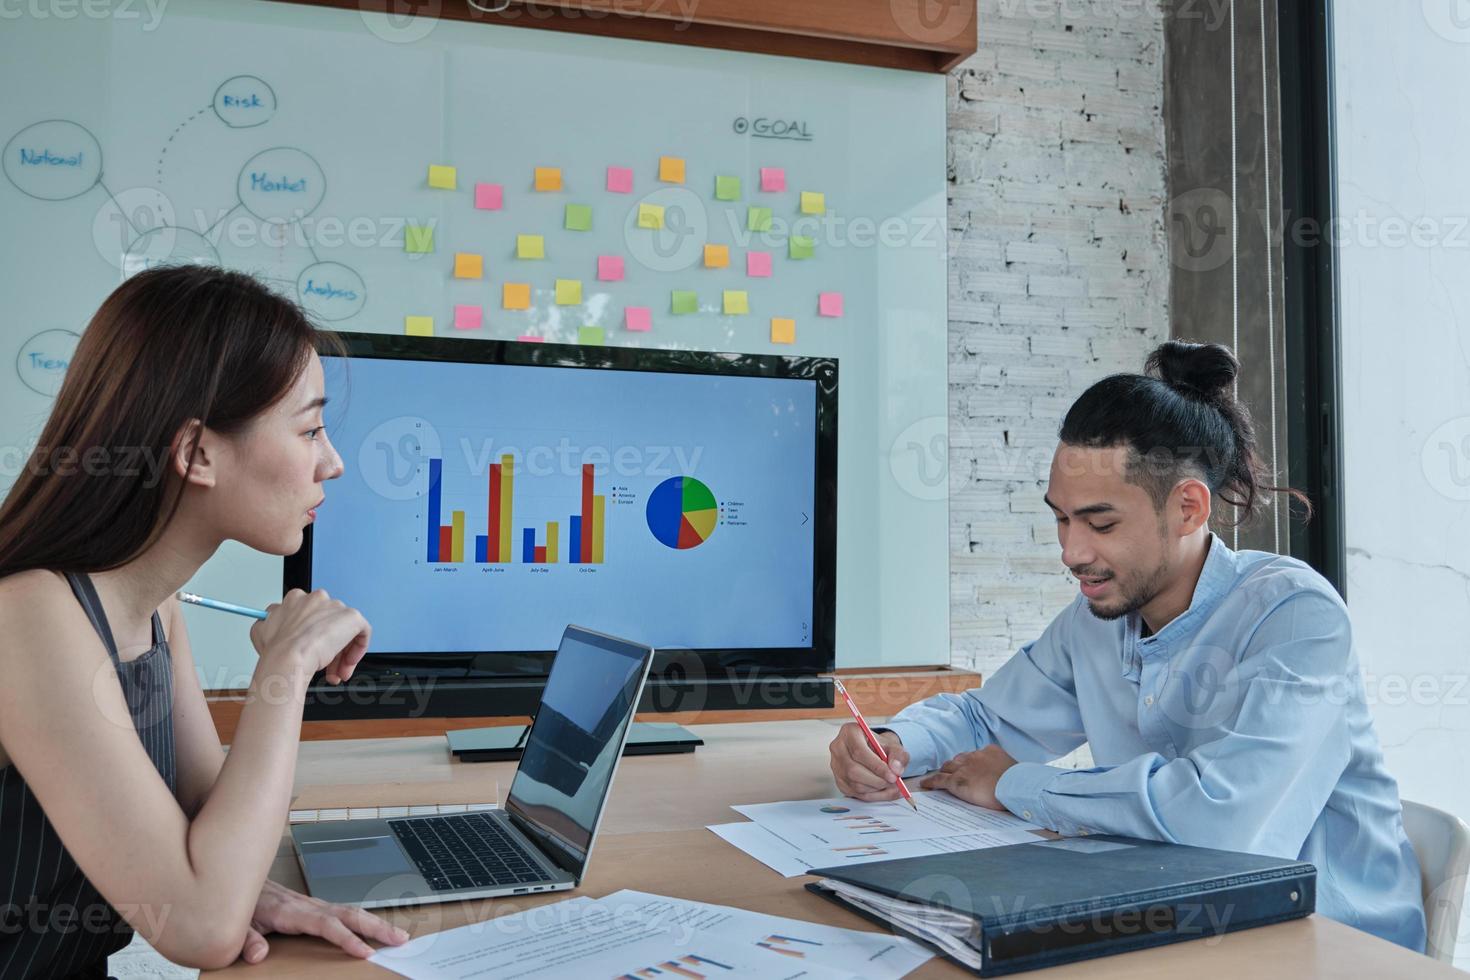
653, 840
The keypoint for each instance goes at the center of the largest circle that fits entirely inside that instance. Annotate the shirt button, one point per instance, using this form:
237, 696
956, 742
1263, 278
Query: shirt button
1025, 814
1149, 700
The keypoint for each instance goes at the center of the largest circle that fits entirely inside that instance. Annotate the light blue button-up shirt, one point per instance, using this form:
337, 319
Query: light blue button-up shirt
1241, 725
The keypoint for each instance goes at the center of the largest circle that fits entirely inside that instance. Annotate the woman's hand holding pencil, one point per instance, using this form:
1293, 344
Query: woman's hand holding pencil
328, 633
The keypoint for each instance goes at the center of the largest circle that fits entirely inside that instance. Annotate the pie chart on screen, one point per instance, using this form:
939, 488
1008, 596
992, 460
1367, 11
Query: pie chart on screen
682, 512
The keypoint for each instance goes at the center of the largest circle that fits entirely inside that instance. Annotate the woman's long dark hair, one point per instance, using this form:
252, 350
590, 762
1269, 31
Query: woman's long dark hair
170, 344
1180, 418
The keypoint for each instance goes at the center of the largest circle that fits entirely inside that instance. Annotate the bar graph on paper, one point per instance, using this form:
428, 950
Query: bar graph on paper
690, 966
507, 540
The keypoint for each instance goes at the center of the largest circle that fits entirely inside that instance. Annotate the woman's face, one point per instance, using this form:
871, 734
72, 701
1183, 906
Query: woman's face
277, 466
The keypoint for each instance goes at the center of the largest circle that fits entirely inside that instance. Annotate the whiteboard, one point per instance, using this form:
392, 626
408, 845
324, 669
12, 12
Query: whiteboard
161, 130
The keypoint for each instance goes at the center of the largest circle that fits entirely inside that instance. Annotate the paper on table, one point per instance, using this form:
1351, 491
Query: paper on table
579, 938
789, 861
871, 955
843, 821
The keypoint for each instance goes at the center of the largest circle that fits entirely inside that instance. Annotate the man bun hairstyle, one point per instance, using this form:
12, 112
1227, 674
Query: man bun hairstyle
1179, 419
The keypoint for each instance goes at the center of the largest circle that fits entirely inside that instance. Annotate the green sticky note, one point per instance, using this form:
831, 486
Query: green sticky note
800, 247
685, 301
579, 217
418, 238
590, 335
727, 188
758, 219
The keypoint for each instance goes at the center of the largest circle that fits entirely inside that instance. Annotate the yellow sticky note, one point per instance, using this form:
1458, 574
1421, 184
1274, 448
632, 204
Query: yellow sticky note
650, 216
813, 202
468, 265
671, 169
716, 256
568, 292
442, 177
418, 326
736, 301
516, 296
783, 330
548, 178
530, 247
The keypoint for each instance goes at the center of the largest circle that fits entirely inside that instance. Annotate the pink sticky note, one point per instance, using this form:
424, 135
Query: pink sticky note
620, 180
829, 304
773, 179
757, 263
609, 268
488, 197
638, 317
530, 338
468, 317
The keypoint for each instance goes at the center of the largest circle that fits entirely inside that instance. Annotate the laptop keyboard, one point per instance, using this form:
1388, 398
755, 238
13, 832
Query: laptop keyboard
468, 851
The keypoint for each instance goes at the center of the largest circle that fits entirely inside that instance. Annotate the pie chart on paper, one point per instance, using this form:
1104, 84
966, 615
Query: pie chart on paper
682, 512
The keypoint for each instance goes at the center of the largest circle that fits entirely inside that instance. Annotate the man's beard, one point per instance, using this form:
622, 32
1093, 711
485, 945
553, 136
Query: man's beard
1134, 596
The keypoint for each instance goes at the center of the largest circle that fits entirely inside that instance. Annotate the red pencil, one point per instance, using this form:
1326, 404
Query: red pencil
872, 739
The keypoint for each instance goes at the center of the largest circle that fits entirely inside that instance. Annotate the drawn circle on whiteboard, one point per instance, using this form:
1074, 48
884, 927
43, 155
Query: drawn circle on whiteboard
53, 160
330, 291
168, 245
244, 102
125, 215
43, 360
680, 242
281, 185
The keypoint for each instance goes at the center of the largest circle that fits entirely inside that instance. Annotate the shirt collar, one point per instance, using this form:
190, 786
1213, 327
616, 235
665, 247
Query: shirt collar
1215, 579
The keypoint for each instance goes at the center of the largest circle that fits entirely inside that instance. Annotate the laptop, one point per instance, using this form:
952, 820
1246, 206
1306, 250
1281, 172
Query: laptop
541, 841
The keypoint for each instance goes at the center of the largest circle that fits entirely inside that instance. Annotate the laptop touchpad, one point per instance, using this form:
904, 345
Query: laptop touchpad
358, 856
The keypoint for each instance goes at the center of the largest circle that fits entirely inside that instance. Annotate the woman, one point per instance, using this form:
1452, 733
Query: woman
191, 415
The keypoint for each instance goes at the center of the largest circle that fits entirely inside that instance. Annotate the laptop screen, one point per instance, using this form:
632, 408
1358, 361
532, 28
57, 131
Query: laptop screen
575, 742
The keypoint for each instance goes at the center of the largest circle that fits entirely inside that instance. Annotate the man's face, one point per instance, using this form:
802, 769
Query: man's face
1113, 539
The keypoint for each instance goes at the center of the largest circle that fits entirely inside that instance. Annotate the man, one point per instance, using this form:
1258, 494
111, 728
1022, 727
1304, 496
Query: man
1217, 690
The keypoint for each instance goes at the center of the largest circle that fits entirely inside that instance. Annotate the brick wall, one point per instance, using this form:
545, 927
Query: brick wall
1058, 276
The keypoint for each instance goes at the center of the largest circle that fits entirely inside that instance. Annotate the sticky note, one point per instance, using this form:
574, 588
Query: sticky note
638, 318
530, 247
727, 188
758, 219
418, 238
468, 265
516, 296
736, 301
442, 177
757, 263
800, 247
813, 202
650, 216
829, 304
609, 268
783, 330
684, 301
620, 180
548, 178
468, 317
579, 217
773, 179
568, 292
530, 338
671, 170
590, 335
716, 256
418, 326
489, 197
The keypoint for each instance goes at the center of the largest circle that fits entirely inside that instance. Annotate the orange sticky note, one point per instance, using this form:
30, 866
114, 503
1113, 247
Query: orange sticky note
548, 178
716, 256
671, 169
468, 265
516, 296
783, 330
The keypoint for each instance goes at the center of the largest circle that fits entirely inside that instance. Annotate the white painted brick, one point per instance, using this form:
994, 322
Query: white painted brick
1060, 344
1056, 285
1035, 376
